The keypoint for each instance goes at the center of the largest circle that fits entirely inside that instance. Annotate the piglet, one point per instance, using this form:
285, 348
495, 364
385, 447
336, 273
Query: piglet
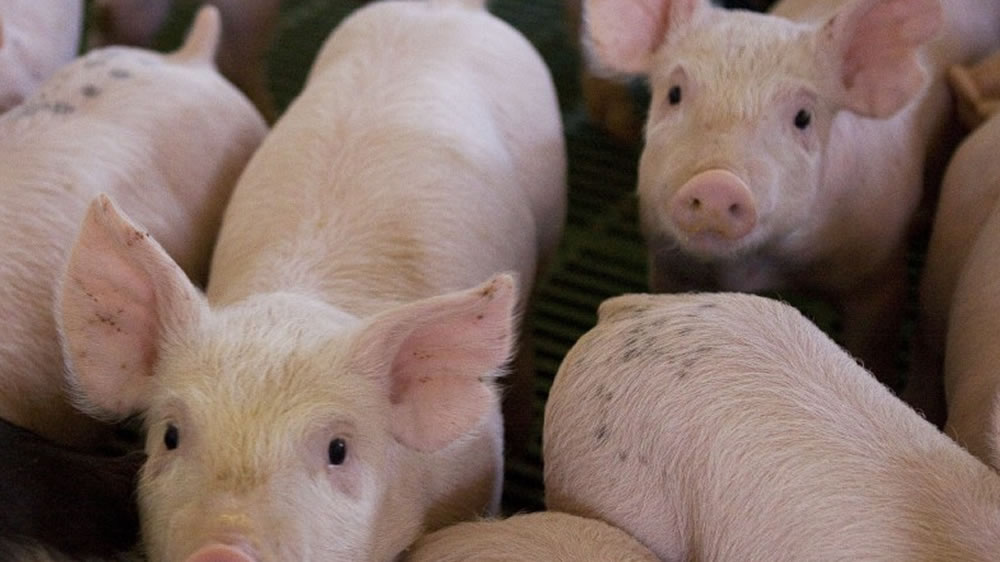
333, 394
81, 503
533, 537
724, 426
785, 151
960, 300
248, 28
37, 37
166, 136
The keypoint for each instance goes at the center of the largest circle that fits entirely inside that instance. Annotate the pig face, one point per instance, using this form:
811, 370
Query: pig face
276, 425
738, 140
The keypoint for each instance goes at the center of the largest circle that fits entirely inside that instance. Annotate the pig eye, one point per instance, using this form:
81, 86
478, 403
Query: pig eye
674, 95
337, 451
171, 437
802, 119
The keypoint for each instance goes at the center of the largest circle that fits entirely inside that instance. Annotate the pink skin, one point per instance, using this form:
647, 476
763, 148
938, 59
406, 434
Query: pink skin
715, 205
220, 553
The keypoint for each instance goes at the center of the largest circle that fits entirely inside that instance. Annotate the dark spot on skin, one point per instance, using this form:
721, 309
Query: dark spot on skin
479, 317
631, 352
123, 366
622, 456
90, 91
706, 305
106, 319
682, 373
602, 434
62, 108
120, 73
683, 332
643, 460
424, 380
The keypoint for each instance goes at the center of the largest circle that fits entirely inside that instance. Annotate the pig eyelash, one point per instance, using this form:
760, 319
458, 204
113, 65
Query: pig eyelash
337, 452
171, 437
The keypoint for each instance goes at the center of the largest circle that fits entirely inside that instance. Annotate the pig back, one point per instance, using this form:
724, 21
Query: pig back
728, 418
409, 166
118, 121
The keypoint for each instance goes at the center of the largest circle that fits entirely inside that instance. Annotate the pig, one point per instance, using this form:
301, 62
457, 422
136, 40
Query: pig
332, 395
967, 199
727, 426
960, 298
166, 136
81, 503
530, 537
248, 28
978, 90
786, 151
36, 39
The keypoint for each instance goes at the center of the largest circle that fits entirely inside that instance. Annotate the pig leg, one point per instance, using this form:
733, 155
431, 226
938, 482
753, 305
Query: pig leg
872, 317
248, 29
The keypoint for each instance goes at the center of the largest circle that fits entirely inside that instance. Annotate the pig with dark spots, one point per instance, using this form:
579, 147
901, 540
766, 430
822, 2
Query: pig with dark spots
775, 446
533, 537
954, 375
37, 37
83, 133
80, 504
786, 151
334, 393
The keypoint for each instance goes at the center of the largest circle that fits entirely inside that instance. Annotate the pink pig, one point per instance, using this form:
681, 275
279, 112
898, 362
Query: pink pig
247, 32
960, 300
333, 394
548, 536
36, 38
166, 136
787, 150
727, 427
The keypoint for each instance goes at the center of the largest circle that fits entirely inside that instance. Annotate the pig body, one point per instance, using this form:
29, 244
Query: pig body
332, 397
959, 299
547, 535
36, 38
248, 28
115, 121
736, 430
81, 503
786, 150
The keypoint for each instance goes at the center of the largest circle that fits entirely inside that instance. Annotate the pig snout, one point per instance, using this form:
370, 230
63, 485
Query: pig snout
220, 553
714, 202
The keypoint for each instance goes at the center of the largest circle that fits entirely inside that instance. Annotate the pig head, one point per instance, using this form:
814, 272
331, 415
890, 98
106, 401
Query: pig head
328, 437
779, 153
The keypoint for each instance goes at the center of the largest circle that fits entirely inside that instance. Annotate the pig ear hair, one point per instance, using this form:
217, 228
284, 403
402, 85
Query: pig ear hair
438, 358
622, 35
877, 60
120, 294
202, 40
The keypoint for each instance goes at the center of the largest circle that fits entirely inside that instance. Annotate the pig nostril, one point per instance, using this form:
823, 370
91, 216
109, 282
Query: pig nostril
736, 210
696, 203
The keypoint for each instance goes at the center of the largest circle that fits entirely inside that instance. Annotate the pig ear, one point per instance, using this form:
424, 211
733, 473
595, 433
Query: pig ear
438, 357
202, 40
875, 46
120, 294
622, 35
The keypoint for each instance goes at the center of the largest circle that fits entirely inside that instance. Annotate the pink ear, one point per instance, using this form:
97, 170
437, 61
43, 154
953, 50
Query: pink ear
876, 44
622, 35
121, 291
438, 357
